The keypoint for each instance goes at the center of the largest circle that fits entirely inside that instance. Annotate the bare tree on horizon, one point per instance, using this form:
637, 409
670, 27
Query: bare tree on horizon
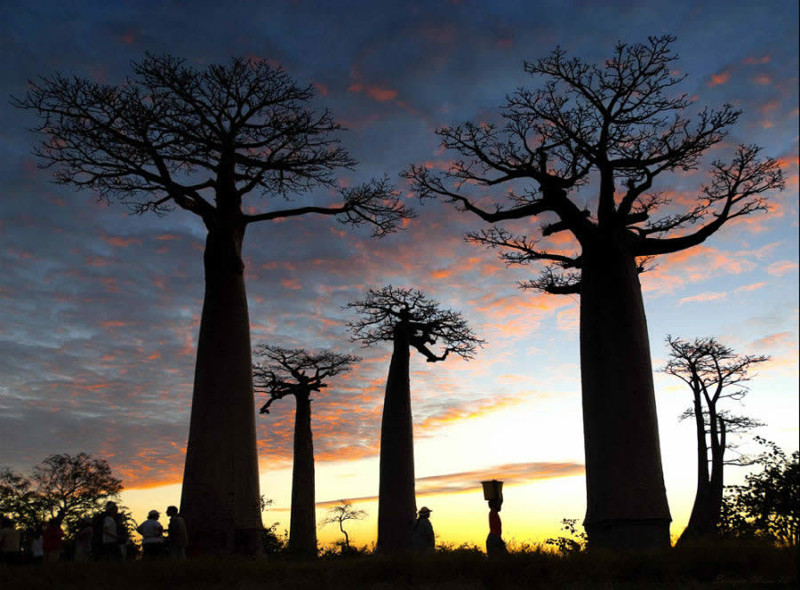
407, 319
207, 141
298, 373
616, 128
714, 373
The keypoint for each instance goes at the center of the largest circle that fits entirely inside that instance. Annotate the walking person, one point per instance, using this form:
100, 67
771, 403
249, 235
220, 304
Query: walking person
177, 538
422, 538
52, 540
152, 536
111, 535
495, 546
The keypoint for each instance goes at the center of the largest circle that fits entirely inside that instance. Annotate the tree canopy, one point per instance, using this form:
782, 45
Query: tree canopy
429, 324
69, 486
615, 126
175, 135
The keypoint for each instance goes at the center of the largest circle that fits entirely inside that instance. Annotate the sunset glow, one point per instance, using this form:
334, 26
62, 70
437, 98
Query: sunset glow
101, 309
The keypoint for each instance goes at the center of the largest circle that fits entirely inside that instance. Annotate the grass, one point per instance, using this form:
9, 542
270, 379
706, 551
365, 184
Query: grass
718, 565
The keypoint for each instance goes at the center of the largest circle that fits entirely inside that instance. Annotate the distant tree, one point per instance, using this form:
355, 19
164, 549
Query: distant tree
69, 486
714, 374
208, 141
295, 372
341, 513
408, 319
611, 128
767, 506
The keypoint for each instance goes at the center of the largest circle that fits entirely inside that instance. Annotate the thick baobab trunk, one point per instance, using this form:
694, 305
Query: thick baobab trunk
303, 527
220, 497
397, 504
626, 499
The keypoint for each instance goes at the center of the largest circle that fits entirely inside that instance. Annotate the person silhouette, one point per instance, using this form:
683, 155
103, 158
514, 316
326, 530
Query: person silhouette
495, 546
422, 537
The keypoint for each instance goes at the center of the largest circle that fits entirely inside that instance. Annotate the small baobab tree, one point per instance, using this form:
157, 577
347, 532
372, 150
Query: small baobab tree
612, 130
715, 375
408, 319
340, 514
232, 145
295, 372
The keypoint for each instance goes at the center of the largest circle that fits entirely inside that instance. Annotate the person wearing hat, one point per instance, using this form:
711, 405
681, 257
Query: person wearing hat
152, 536
422, 537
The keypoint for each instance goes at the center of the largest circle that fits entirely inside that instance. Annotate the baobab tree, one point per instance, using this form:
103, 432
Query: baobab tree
610, 130
340, 514
295, 372
408, 319
714, 374
208, 141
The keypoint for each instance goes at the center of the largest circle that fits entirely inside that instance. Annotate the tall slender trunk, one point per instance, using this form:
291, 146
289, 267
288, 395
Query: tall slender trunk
220, 496
698, 524
717, 483
303, 526
397, 504
626, 498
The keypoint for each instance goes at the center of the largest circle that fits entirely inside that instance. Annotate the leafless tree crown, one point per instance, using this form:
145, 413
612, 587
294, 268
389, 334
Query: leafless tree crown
294, 371
624, 123
383, 310
714, 372
200, 139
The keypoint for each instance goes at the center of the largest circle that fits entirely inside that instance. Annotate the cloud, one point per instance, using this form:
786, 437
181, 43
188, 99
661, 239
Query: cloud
702, 298
470, 481
782, 267
720, 78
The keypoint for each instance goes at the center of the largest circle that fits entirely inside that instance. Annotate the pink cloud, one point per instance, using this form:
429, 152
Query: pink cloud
718, 79
702, 297
781, 267
374, 92
751, 287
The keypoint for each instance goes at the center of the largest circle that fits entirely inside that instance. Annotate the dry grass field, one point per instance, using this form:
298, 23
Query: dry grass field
719, 565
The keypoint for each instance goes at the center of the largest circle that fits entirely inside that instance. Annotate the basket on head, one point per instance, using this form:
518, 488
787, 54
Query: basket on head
492, 490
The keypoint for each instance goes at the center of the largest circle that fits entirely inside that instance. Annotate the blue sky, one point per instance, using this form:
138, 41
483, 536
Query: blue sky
100, 309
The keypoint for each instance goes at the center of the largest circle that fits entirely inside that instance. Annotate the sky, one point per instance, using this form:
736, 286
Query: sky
100, 309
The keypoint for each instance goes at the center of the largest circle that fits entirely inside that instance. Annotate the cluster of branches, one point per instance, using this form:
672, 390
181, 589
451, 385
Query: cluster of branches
68, 487
714, 372
171, 133
625, 121
383, 311
294, 371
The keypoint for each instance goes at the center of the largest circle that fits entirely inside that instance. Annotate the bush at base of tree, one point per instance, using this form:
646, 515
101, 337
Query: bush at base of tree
767, 506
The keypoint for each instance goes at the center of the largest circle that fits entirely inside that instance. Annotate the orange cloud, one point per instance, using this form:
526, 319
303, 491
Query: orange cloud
778, 340
751, 287
718, 79
757, 60
470, 481
781, 267
374, 92
293, 284
702, 297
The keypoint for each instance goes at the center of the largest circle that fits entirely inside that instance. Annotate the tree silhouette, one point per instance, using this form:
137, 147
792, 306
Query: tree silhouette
71, 486
295, 372
713, 372
767, 506
611, 129
408, 319
204, 140
341, 513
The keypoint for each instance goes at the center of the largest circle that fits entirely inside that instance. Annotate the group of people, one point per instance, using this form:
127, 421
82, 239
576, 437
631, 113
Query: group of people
103, 537
154, 545
423, 539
